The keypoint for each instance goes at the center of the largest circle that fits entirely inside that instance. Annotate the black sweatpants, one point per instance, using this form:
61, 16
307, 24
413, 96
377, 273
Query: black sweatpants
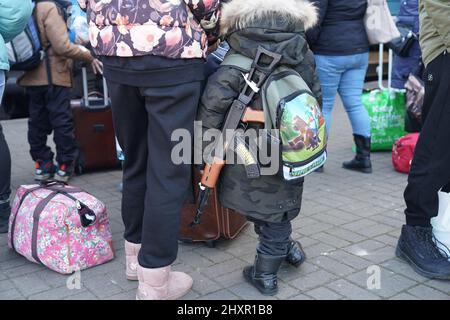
274, 238
430, 170
5, 170
50, 111
154, 188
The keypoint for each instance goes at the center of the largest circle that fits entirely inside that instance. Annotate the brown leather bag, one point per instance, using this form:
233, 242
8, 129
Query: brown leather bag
216, 222
94, 130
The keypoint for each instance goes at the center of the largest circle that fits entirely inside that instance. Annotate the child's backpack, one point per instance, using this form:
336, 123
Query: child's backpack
403, 152
25, 51
291, 108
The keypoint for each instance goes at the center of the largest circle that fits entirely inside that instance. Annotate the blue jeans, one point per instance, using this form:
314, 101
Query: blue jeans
345, 75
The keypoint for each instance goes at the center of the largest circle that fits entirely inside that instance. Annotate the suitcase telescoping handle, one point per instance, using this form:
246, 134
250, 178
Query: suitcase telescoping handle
381, 68
86, 100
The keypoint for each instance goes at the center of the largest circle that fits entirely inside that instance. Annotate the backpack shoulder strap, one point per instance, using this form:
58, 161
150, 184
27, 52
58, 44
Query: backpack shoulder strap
238, 60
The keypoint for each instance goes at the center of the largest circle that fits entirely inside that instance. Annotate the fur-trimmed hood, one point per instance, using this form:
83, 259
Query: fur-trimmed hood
239, 14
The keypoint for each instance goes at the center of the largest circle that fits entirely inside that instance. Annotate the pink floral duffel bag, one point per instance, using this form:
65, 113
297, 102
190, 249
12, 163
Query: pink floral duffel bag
64, 228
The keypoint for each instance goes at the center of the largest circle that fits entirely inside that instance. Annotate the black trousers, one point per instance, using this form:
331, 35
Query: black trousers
274, 238
50, 111
5, 169
154, 187
430, 170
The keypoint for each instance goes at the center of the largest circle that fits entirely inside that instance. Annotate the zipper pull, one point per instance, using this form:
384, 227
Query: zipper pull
78, 203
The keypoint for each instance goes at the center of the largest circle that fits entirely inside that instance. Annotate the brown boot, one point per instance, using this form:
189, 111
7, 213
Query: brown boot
131, 257
162, 284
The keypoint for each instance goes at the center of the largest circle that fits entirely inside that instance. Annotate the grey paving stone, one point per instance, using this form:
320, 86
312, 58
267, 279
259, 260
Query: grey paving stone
56, 294
30, 284
331, 240
213, 254
344, 234
427, 293
246, 292
224, 267
6, 285
364, 248
129, 295
351, 260
102, 287
12, 294
204, 285
84, 295
351, 291
404, 296
442, 285
323, 293
400, 267
391, 284
333, 266
313, 280
223, 294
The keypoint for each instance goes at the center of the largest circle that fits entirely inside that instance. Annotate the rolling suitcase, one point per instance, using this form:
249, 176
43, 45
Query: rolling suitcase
216, 222
94, 130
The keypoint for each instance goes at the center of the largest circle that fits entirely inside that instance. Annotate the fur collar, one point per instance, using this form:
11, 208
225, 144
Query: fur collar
238, 14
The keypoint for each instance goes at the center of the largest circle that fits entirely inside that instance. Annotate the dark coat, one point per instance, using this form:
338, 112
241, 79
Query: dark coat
403, 66
340, 30
267, 198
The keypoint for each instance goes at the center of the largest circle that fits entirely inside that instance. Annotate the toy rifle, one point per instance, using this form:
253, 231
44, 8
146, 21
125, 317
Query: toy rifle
263, 65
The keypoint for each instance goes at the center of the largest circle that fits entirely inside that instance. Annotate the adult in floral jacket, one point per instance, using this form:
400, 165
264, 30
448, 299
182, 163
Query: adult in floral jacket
153, 54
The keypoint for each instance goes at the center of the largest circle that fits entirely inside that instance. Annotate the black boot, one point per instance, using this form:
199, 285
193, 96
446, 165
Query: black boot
361, 162
417, 246
296, 256
5, 211
263, 274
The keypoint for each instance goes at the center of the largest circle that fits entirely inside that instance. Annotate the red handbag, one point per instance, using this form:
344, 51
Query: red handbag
403, 152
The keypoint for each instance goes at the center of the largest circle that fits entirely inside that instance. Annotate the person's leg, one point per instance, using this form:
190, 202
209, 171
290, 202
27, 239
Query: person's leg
61, 120
273, 248
130, 124
329, 70
430, 169
350, 90
5, 171
430, 172
39, 126
169, 109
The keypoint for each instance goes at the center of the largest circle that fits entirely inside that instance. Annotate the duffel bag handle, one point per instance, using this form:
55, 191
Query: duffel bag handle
87, 215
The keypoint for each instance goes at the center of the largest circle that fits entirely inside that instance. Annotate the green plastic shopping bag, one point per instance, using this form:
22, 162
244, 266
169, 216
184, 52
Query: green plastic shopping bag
386, 108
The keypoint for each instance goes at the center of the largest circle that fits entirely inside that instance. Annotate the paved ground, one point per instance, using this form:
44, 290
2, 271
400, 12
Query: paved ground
349, 225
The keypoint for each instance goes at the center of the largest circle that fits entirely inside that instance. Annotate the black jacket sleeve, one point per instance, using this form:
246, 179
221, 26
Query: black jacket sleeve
313, 34
222, 89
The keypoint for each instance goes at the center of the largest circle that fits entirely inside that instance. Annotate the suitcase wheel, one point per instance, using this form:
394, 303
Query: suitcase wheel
210, 243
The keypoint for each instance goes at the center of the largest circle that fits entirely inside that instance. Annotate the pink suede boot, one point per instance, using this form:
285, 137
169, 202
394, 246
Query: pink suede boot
131, 257
162, 284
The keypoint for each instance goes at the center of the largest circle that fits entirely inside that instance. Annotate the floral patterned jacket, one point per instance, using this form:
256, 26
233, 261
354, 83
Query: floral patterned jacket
169, 28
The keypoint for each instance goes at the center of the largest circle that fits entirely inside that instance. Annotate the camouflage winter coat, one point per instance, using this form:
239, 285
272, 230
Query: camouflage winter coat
168, 28
280, 29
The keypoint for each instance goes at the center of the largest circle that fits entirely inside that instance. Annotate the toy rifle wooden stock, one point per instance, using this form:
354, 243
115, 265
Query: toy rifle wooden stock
239, 112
